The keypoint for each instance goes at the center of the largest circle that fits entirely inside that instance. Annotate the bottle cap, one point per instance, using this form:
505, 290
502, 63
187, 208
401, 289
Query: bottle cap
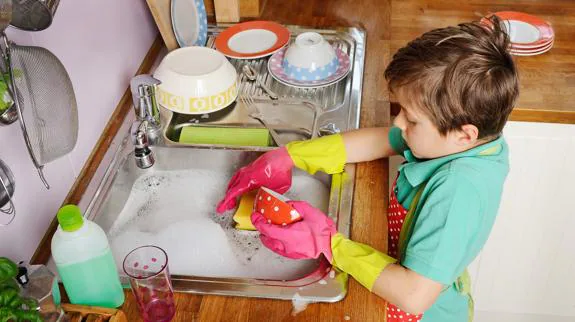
70, 218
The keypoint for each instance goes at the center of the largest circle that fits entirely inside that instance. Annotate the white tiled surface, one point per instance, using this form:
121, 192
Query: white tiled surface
101, 43
528, 264
526, 272
482, 316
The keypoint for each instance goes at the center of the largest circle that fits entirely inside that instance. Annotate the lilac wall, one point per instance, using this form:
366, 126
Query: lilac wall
101, 43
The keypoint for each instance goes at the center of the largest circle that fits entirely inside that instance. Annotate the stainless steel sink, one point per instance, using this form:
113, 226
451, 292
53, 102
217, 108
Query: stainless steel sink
172, 204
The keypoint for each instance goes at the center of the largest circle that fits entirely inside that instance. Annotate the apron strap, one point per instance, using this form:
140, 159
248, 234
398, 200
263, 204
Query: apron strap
409, 223
463, 286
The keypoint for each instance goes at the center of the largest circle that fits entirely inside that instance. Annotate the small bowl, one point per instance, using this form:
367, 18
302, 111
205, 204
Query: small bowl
274, 208
196, 80
310, 57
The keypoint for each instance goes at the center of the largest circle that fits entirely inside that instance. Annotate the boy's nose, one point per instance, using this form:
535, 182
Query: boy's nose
399, 121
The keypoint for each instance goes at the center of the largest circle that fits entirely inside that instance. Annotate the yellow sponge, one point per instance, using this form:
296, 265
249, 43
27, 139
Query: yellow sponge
244, 212
225, 135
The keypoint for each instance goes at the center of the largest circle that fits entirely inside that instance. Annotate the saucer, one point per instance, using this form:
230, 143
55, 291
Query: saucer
278, 73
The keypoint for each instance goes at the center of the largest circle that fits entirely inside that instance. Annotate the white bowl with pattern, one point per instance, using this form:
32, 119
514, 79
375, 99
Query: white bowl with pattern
196, 80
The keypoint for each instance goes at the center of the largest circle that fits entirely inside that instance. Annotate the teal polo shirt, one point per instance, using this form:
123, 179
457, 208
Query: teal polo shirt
454, 215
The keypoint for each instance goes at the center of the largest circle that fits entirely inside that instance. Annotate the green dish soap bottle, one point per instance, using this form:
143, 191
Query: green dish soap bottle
84, 260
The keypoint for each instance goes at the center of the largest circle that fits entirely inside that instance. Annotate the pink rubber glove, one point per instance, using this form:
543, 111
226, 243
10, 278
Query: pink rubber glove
272, 170
304, 239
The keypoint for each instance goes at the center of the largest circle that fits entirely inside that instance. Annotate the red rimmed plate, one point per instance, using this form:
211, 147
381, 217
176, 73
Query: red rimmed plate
513, 47
525, 31
252, 39
531, 52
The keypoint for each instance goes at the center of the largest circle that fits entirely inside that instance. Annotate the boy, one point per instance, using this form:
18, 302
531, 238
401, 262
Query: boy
456, 86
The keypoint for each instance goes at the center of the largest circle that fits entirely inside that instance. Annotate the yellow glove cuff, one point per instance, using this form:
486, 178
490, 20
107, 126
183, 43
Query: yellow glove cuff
361, 261
325, 154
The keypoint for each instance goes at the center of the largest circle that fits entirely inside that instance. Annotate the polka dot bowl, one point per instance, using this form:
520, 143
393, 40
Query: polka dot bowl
310, 57
274, 208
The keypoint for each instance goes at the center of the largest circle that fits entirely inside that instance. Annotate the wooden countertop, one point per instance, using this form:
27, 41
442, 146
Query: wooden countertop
547, 80
547, 89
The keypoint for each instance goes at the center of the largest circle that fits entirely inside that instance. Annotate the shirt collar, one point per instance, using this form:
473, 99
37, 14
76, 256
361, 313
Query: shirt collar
418, 171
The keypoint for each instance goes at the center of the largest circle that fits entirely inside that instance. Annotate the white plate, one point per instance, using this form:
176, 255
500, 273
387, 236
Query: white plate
522, 32
252, 41
189, 22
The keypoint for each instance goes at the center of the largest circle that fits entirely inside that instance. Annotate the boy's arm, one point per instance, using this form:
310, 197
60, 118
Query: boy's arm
367, 144
411, 292
330, 153
380, 273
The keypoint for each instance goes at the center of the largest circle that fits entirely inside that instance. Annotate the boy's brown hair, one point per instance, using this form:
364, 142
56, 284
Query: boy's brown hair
459, 75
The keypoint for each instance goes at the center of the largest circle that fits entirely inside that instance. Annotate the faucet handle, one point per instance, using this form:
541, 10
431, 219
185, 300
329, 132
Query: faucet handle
138, 132
143, 155
141, 87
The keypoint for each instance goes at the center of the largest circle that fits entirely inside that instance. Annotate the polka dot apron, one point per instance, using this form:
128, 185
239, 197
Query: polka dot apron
396, 214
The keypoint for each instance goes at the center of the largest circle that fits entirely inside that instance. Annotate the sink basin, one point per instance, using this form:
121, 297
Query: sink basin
172, 204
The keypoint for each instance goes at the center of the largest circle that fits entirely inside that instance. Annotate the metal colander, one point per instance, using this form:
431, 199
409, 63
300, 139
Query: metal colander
45, 101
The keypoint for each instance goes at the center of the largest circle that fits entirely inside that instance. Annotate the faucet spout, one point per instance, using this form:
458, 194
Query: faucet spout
142, 153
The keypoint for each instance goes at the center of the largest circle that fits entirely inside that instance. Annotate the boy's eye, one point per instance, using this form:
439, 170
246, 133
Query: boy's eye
411, 122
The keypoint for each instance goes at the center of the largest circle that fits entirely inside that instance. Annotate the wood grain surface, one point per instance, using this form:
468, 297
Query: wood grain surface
161, 12
227, 10
547, 80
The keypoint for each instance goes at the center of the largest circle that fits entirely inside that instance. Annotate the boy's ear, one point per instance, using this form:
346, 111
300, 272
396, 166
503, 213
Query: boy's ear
468, 134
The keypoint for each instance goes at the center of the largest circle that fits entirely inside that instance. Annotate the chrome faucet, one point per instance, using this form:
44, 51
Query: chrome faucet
143, 89
142, 152
146, 128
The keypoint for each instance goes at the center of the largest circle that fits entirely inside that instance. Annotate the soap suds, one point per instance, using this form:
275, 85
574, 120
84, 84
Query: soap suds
175, 210
299, 304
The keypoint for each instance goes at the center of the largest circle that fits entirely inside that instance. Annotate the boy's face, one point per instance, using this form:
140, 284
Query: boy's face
423, 137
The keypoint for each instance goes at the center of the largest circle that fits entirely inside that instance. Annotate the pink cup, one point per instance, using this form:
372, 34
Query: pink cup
147, 268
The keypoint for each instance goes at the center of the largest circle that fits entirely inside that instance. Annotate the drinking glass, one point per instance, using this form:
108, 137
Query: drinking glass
147, 268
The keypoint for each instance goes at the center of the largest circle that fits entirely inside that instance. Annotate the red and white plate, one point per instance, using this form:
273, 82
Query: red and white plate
528, 34
531, 52
252, 39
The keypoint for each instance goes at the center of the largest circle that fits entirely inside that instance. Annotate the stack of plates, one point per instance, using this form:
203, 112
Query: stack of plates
530, 35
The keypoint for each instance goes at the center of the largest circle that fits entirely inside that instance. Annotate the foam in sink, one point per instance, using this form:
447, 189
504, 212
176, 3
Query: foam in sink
175, 210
